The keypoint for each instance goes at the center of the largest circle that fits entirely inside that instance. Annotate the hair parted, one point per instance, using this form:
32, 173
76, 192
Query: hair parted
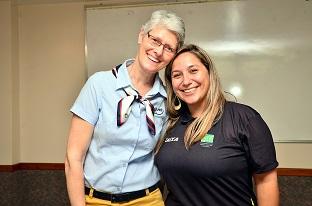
170, 21
215, 98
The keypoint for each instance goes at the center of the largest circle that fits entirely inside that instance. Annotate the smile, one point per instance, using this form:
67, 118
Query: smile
189, 90
153, 59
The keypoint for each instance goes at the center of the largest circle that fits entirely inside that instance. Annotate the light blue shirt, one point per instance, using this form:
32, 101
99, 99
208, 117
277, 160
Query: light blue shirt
119, 159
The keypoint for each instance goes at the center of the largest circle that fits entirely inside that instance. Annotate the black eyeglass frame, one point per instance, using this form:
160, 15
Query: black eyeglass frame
157, 43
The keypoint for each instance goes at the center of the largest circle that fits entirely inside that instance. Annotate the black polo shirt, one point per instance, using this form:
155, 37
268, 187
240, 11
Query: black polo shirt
217, 170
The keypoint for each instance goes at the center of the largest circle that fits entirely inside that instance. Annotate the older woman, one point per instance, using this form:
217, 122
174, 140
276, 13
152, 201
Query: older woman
117, 119
213, 148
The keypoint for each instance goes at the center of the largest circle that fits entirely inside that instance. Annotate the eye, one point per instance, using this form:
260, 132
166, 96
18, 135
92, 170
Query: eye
193, 70
176, 75
156, 41
169, 49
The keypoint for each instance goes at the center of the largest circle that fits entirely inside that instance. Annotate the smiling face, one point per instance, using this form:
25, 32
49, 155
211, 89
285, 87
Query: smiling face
152, 57
190, 81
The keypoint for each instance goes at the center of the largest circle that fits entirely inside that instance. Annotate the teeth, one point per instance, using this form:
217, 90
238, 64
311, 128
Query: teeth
189, 90
153, 59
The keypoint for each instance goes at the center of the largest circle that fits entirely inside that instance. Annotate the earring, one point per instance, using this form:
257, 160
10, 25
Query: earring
177, 106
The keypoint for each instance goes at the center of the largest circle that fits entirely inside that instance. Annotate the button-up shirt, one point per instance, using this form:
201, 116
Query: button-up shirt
119, 159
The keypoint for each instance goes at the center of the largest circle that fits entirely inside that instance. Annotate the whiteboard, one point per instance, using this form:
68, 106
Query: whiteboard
262, 50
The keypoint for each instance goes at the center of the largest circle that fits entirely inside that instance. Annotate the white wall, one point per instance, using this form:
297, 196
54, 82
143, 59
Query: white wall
5, 84
15, 85
294, 155
51, 73
255, 46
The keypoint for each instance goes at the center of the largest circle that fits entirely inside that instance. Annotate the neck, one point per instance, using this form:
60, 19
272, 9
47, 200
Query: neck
196, 110
141, 80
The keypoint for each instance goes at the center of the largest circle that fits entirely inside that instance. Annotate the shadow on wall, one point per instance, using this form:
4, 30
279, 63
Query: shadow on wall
48, 188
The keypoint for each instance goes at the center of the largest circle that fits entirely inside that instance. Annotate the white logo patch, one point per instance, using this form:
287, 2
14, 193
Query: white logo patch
172, 139
158, 111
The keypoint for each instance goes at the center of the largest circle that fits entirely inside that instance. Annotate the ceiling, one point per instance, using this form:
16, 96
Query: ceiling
110, 2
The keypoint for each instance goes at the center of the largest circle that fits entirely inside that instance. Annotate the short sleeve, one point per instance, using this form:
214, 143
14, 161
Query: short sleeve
262, 155
87, 105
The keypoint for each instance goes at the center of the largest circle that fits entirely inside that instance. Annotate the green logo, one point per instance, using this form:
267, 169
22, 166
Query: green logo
207, 140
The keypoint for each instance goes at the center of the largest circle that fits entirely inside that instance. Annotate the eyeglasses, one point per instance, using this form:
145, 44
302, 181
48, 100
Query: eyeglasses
154, 41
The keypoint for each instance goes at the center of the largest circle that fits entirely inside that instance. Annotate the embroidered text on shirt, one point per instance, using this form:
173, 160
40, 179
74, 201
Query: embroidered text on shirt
172, 139
158, 110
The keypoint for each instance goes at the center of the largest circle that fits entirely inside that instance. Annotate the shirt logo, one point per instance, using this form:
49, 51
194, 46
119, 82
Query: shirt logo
207, 140
172, 139
158, 111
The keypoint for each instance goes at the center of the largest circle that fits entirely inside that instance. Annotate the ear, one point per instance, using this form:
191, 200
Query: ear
141, 35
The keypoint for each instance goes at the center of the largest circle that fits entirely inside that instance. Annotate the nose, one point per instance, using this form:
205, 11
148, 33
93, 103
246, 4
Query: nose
186, 80
159, 50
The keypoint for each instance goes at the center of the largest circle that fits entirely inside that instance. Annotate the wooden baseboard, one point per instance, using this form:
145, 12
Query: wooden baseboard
294, 172
60, 166
31, 166
6, 168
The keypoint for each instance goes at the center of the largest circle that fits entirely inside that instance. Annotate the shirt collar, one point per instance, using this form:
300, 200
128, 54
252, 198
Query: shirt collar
123, 81
123, 78
186, 116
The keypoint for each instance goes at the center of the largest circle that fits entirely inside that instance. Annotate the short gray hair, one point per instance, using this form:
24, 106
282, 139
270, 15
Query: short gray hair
170, 21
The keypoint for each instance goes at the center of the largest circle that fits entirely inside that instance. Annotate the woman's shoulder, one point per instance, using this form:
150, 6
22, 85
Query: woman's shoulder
239, 110
98, 78
101, 81
100, 75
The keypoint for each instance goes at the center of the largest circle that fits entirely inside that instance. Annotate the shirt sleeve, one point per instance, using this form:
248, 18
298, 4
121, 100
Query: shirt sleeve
87, 105
262, 155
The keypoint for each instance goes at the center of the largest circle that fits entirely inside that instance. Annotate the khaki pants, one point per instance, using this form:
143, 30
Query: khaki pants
152, 199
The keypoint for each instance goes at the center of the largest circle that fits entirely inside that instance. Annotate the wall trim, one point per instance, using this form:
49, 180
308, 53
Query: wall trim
294, 172
32, 166
6, 168
60, 166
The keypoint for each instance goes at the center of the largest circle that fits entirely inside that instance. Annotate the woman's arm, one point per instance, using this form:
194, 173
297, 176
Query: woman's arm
78, 142
267, 188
